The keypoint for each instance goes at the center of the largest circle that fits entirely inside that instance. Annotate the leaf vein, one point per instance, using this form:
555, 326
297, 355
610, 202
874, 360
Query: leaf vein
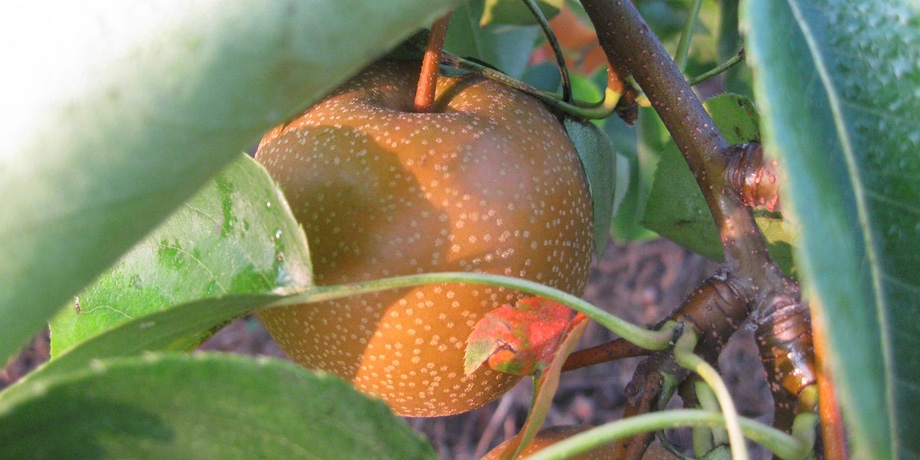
817, 46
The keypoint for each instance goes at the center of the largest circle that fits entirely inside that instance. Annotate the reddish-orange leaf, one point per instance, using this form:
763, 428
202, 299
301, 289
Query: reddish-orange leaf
545, 386
520, 340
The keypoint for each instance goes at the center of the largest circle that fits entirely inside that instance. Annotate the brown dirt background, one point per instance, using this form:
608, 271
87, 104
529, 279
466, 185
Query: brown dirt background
641, 282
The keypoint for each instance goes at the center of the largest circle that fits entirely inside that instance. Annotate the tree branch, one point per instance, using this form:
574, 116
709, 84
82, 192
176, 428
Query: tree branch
749, 274
628, 41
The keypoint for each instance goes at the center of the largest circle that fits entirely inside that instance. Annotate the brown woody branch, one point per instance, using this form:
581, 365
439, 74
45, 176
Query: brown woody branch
750, 275
628, 41
603, 353
753, 177
643, 395
784, 337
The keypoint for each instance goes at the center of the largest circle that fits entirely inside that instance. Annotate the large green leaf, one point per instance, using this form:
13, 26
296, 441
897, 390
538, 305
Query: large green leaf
236, 236
168, 330
631, 183
208, 406
651, 140
600, 161
839, 89
117, 112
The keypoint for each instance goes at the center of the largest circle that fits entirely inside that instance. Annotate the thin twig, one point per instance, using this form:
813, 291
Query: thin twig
683, 46
554, 45
605, 352
577, 109
735, 60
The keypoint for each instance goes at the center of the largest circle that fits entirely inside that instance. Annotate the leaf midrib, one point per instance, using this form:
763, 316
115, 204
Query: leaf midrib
862, 213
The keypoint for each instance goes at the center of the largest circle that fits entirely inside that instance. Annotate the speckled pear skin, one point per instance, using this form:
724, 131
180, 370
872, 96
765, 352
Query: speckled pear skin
553, 434
490, 183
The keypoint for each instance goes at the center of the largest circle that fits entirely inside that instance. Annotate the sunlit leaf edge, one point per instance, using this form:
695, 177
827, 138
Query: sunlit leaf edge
254, 225
132, 144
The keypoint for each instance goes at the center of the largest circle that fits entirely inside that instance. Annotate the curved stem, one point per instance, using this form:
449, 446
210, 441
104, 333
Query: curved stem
554, 44
684, 356
652, 340
803, 429
686, 36
428, 78
602, 109
709, 401
782, 444
735, 60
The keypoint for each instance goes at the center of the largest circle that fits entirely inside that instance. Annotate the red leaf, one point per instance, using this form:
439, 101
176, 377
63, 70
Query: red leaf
520, 340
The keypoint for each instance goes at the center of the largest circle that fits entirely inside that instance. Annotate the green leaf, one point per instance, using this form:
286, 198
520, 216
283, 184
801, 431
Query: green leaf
677, 209
651, 139
204, 406
175, 329
515, 12
507, 48
236, 236
128, 108
840, 89
599, 160
629, 184
545, 76
736, 116
585, 89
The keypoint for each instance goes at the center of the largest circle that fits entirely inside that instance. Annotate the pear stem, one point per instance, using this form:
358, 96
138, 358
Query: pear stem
428, 78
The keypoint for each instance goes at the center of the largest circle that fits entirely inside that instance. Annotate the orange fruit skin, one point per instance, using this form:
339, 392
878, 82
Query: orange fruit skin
490, 183
551, 435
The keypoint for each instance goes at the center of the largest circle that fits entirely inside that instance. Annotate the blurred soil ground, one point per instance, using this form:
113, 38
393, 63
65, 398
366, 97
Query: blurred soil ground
641, 282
